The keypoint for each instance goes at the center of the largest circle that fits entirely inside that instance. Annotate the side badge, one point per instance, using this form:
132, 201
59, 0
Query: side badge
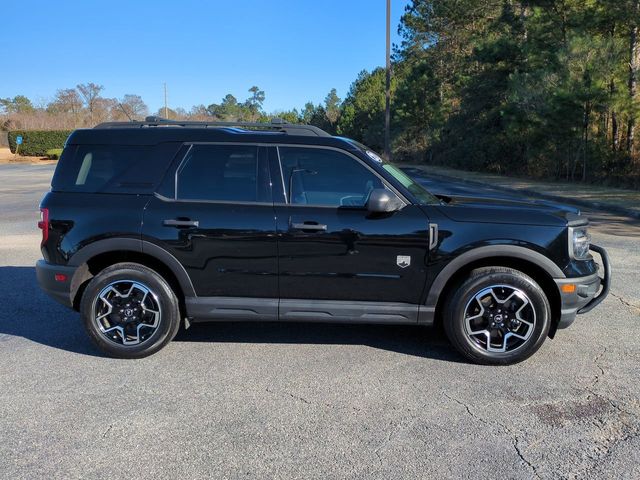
403, 261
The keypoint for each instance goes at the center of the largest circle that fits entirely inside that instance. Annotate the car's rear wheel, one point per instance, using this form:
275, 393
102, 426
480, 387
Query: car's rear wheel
129, 311
497, 316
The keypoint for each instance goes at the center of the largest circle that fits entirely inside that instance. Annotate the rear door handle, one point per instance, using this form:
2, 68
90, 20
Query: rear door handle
317, 227
180, 223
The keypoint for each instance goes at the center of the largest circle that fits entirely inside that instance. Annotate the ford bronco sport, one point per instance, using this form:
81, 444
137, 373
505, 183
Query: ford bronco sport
151, 224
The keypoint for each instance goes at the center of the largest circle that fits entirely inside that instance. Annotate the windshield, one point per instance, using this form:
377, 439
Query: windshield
422, 194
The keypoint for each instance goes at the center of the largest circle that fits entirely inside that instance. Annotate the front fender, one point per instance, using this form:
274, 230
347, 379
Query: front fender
486, 252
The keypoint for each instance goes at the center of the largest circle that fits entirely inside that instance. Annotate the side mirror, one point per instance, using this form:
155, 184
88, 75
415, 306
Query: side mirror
382, 200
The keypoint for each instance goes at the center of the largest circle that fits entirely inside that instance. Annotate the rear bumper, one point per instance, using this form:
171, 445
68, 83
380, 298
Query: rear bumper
60, 291
590, 291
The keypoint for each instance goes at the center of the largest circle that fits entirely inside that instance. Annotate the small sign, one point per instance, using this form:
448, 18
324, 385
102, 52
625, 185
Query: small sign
403, 261
19, 140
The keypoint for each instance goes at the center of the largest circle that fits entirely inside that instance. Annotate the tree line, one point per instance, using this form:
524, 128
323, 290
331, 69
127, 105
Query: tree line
84, 107
544, 88
541, 88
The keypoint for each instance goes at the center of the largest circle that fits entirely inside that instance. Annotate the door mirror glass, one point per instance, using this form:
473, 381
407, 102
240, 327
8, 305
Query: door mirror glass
382, 200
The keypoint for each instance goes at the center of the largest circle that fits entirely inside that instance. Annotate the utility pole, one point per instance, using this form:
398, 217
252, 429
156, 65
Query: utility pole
165, 101
387, 112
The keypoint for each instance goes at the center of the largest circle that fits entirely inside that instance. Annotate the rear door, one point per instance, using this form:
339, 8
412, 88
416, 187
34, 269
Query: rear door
333, 251
214, 213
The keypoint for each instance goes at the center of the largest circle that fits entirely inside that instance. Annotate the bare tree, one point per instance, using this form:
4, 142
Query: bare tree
90, 93
107, 109
199, 112
134, 106
67, 103
181, 114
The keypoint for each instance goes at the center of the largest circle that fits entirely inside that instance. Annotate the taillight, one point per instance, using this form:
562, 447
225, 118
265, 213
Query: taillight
43, 224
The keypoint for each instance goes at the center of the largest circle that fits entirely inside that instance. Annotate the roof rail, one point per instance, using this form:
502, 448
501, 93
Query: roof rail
276, 125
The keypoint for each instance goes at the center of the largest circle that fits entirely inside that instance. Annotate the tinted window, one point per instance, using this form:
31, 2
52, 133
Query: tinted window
112, 168
92, 168
316, 176
221, 173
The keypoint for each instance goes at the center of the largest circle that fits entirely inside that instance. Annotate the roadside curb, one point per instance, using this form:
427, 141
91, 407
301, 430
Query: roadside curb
547, 196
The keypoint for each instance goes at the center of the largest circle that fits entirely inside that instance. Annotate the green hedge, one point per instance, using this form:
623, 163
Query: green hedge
35, 143
54, 153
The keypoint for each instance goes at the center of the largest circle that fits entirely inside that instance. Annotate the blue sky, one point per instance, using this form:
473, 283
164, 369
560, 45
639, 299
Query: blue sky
294, 50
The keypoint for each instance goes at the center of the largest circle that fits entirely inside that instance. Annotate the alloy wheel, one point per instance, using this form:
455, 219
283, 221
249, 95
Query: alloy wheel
499, 319
127, 312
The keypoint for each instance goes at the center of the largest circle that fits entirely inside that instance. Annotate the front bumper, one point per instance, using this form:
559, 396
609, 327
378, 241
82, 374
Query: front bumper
589, 291
59, 290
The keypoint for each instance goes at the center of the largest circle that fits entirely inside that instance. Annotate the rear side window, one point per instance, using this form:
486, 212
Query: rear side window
100, 164
225, 173
112, 168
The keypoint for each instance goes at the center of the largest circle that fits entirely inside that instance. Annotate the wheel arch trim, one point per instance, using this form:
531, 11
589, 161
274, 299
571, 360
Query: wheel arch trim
174, 265
487, 252
82, 256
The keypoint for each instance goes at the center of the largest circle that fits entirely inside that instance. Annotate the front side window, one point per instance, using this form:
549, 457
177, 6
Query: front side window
323, 177
227, 173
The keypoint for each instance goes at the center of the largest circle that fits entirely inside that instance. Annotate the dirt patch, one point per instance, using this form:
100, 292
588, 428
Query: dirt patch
559, 414
7, 157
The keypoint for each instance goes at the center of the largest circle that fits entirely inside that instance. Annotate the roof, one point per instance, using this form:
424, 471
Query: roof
277, 125
156, 130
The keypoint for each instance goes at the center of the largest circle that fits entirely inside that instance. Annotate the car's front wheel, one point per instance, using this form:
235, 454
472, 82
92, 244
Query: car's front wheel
497, 316
129, 311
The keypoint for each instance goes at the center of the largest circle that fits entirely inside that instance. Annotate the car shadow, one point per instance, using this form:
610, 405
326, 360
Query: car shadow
29, 313
412, 340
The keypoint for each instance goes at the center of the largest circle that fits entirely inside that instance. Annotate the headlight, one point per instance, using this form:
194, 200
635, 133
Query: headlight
579, 242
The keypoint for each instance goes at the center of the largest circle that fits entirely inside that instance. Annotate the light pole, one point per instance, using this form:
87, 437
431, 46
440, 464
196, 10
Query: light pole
166, 115
387, 112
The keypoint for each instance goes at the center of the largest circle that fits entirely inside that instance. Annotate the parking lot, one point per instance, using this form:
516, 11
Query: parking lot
310, 400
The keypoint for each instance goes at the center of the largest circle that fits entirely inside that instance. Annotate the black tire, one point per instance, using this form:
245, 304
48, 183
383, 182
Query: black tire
168, 312
472, 345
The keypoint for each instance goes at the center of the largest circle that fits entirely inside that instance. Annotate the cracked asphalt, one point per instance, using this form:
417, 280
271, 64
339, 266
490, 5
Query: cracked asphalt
310, 400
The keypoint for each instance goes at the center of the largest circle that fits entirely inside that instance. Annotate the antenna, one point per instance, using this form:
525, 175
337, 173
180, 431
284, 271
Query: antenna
125, 112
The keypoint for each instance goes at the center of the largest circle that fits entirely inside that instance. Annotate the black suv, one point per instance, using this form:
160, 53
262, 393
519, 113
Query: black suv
151, 223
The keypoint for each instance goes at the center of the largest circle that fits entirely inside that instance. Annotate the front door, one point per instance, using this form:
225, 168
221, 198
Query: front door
334, 252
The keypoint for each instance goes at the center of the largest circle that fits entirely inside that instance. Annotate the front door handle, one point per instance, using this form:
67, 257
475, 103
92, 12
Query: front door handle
179, 223
316, 227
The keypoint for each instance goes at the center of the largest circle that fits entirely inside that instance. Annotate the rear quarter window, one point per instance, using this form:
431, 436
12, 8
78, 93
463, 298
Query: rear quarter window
112, 168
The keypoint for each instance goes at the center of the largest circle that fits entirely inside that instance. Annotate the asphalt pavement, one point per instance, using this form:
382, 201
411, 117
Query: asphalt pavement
310, 400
